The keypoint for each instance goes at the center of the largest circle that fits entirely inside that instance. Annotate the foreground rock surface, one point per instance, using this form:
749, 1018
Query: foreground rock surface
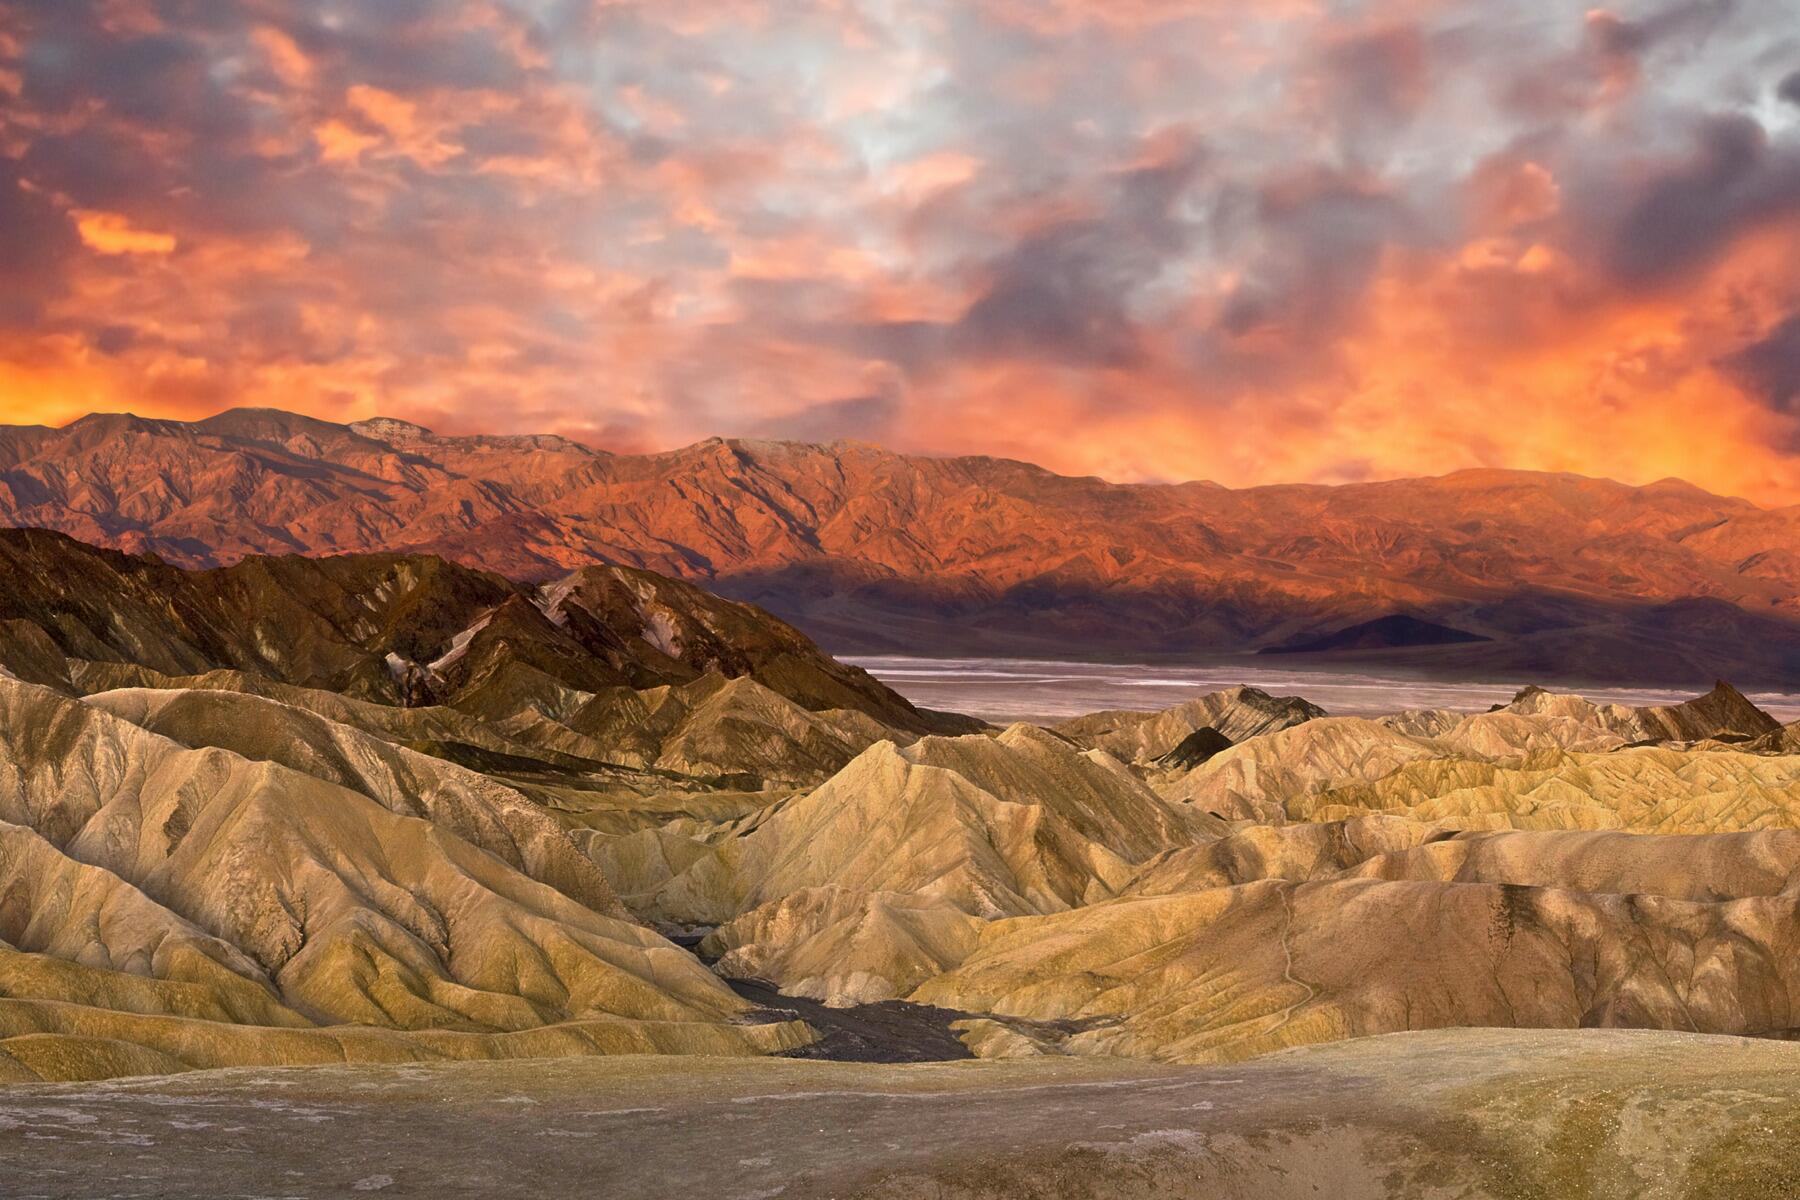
1475, 1114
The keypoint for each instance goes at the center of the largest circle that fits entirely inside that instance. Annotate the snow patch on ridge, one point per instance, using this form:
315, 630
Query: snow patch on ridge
661, 631
549, 600
384, 591
459, 645
661, 628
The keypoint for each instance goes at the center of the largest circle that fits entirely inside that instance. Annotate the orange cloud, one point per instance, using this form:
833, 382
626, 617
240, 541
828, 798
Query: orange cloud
340, 143
284, 55
1145, 239
112, 233
1629, 388
379, 120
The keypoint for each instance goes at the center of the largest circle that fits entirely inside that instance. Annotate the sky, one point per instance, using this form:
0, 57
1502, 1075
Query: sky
1144, 239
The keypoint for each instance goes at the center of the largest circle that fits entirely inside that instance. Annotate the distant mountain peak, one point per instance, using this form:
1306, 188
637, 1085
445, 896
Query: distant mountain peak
881, 551
1394, 631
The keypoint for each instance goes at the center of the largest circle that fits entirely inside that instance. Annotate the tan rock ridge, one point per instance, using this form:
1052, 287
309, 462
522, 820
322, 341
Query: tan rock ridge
1237, 714
474, 807
1722, 714
874, 880
1335, 766
197, 902
710, 727
1018, 823
1367, 907
1235, 971
1646, 789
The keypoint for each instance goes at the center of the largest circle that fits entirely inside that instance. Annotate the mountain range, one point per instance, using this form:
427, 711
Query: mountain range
1486, 571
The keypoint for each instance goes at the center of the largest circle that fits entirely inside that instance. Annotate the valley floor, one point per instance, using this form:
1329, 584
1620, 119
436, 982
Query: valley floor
1472, 1113
1046, 691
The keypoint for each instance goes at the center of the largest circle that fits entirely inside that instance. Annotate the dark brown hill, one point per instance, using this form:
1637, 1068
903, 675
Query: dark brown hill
408, 629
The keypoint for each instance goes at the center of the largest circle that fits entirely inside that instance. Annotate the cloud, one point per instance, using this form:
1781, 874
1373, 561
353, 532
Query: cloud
1731, 182
1146, 238
857, 418
35, 240
1072, 286
1370, 81
111, 233
1771, 365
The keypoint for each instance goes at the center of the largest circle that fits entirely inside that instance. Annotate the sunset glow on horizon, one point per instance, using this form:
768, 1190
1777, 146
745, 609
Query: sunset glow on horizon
1143, 239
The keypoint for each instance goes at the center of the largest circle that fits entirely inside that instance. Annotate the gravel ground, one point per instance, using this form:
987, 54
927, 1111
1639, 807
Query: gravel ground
1463, 1113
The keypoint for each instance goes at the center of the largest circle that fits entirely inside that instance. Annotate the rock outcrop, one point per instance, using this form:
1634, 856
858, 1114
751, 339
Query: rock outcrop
1234, 971
874, 880
1723, 714
214, 908
1237, 714
406, 629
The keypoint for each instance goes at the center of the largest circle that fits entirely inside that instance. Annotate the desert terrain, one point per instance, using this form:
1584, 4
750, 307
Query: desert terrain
968, 600
400, 824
